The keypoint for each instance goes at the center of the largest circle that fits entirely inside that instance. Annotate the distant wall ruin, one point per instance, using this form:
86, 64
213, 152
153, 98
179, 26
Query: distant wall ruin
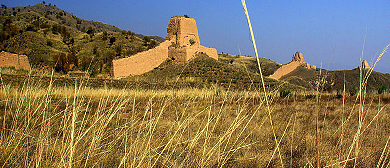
14, 60
181, 45
297, 61
365, 65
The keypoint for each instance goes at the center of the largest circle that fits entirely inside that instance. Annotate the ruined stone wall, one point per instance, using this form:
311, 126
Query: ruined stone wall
211, 52
181, 30
141, 62
297, 61
14, 60
285, 69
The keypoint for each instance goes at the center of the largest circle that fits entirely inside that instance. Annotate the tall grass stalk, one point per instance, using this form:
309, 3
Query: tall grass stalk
262, 80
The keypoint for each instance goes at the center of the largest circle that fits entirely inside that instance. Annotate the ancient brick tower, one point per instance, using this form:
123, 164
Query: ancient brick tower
182, 43
182, 31
183, 34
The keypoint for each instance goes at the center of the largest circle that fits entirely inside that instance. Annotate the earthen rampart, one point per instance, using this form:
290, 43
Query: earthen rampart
141, 62
14, 60
365, 65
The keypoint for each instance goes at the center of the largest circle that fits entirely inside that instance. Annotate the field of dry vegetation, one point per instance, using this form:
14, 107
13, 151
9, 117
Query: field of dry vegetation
45, 126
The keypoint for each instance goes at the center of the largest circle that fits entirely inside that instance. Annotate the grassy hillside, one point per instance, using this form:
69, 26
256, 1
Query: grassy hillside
303, 77
205, 71
376, 82
54, 14
268, 67
52, 37
334, 80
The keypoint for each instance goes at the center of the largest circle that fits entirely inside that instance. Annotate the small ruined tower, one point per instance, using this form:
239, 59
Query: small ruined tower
183, 34
365, 65
298, 57
183, 31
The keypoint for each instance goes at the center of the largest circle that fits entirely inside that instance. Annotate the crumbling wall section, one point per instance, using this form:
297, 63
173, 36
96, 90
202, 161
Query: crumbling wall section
184, 54
14, 60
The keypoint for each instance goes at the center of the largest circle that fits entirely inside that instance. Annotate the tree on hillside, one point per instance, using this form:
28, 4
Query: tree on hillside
146, 40
105, 36
61, 63
118, 50
91, 31
55, 29
3, 36
112, 40
44, 2
152, 44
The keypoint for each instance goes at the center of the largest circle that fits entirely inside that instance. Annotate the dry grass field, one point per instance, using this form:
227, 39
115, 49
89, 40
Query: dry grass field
49, 121
45, 126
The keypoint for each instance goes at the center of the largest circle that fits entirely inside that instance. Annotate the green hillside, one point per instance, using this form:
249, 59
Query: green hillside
268, 67
334, 80
52, 37
376, 82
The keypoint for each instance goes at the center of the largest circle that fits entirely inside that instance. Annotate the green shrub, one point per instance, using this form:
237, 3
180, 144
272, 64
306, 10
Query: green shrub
49, 43
192, 42
112, 40
382, 89
284, 93
354, 90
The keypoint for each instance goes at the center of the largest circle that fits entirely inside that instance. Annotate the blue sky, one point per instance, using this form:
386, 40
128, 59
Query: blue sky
323, 30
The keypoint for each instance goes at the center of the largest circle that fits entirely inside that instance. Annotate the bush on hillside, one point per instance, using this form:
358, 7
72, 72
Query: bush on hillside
382, 89
284, 93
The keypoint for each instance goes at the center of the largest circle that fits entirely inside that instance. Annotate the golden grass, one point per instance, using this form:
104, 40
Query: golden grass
85, 127
46, 126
